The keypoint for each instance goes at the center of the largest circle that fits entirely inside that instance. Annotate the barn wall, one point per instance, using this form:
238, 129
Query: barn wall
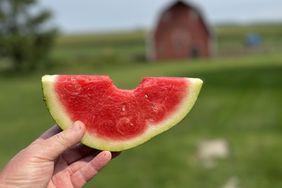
181, 33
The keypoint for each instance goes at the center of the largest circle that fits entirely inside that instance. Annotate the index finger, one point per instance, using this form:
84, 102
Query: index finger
50, 132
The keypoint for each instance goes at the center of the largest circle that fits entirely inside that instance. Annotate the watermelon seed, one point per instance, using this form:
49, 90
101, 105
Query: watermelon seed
123, 108
155, 107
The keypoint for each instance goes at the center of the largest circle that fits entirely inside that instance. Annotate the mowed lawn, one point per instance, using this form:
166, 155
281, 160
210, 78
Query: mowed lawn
240, 103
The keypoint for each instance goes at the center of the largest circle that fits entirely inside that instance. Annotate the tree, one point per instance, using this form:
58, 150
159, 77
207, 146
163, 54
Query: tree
25, 38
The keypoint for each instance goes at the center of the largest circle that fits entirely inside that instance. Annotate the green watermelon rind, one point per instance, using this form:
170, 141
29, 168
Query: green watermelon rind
61, 117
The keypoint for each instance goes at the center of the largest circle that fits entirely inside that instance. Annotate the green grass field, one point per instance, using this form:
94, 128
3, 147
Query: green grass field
240, 102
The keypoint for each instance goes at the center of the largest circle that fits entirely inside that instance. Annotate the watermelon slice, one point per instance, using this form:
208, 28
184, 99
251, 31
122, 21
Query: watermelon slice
118, 119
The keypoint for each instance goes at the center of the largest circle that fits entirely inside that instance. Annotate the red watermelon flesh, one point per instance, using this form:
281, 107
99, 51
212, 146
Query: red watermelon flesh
118, 119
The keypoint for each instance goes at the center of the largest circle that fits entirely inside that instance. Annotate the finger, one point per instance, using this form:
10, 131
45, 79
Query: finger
57, 144
77, 152
60, 164
50, 132
60, 175
47, 134
87, 171
78, 164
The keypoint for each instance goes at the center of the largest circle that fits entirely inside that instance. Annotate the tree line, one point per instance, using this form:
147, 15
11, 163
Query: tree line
26, 36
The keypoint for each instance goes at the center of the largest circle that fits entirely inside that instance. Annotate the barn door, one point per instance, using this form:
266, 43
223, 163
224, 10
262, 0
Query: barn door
194, 52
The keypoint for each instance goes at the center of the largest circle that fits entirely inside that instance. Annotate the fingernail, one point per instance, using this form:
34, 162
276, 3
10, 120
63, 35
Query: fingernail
77, 126
107, 154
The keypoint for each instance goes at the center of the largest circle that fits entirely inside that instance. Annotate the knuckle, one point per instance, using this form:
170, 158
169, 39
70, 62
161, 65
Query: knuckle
62, 139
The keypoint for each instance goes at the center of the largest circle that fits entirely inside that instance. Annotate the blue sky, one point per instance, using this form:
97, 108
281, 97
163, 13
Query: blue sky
105, 15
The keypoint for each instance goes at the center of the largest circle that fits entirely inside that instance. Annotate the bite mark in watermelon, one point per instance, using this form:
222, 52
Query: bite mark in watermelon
118, 119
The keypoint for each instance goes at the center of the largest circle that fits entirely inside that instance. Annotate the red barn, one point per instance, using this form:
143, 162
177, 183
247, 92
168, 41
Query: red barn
181, 33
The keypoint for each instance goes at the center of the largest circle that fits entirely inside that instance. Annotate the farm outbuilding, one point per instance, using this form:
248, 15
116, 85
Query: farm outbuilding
180, 33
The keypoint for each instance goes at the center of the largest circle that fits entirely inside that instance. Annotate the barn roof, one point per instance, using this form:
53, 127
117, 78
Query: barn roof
192, 6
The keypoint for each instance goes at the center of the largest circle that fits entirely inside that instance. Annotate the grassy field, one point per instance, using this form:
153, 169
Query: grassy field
124, 47
240, 103
109, 48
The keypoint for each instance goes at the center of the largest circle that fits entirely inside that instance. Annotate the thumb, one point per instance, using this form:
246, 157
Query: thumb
57, 144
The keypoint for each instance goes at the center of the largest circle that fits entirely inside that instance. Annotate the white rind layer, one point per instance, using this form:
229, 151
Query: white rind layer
63, 120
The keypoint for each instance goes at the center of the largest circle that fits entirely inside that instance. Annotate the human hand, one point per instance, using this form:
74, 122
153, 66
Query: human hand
55, 160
